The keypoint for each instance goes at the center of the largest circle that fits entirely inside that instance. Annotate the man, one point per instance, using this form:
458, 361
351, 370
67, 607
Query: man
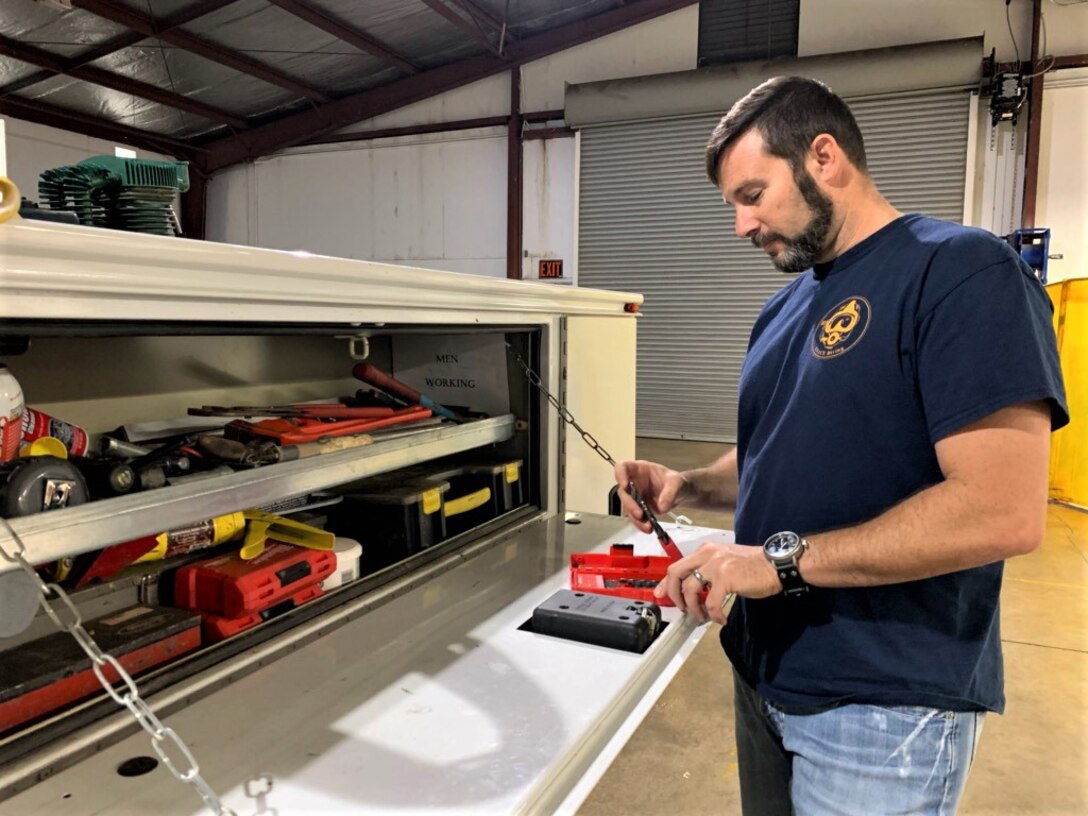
895, 406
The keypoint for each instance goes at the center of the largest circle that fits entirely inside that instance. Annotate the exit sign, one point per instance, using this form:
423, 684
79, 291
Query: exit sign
551, 269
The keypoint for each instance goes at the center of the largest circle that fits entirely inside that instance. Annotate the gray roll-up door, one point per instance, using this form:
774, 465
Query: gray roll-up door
650, 222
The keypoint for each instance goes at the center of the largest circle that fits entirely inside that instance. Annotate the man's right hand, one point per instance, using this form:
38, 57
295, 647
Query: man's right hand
661, 487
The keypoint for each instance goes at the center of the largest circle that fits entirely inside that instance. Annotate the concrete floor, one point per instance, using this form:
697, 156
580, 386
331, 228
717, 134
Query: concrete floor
1032, 760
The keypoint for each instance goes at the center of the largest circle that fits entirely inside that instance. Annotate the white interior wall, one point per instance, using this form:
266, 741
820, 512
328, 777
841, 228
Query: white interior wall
435, 201
547, 211
660, 46
33, 148
1063, 173
488, 97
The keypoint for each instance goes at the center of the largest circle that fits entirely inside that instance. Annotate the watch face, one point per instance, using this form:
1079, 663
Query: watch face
782, 545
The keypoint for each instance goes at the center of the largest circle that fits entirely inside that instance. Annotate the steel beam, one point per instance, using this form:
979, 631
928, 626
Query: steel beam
194, 206
123, 15
96, 76
514, 169
544, 116
346, 33
115, 44
1070, 61
459, 21
43, 114
547, 133
411, 130
1035, 125
299, 127
476, 10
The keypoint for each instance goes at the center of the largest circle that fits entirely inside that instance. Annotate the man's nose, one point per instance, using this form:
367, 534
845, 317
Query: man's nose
746, 226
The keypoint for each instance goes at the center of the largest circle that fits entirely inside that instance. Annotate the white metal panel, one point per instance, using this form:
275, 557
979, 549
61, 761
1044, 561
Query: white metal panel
601, 395
658, 46
852, 74
547, 225
320, 203
228, 218
436, 203
1063, 173
879, 24
823, 26
61, 272
433, 702
650, 221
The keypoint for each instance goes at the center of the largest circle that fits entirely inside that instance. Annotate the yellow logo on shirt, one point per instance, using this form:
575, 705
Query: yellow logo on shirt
842, 328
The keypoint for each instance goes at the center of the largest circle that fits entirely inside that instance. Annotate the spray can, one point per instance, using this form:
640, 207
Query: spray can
199, 536
37, 424
11, 414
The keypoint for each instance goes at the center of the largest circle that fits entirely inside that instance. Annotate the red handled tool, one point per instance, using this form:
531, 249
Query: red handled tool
667, 544
670, 547
295, 431
373, 375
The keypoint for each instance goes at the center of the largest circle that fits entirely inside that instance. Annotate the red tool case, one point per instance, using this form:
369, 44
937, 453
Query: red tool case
46, 674
217, 627
232, 588
620, 572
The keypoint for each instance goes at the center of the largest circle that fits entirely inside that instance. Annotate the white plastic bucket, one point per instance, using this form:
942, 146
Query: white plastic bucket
348, 552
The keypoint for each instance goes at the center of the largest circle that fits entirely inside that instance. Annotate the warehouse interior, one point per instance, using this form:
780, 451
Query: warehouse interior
345, 188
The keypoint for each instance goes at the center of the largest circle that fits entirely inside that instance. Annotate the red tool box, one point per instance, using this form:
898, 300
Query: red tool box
49, 673
217, 628
620, 572
232, 588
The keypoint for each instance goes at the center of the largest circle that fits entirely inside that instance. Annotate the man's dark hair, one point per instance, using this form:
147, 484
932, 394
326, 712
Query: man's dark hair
789, 113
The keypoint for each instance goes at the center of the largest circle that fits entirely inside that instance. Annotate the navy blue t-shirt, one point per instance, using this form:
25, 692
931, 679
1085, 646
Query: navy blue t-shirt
854, 371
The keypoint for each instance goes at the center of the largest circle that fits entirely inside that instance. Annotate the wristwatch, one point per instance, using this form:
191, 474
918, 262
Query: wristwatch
784, 551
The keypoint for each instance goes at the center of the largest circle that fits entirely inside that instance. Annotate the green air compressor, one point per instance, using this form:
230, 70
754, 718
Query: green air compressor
127, 194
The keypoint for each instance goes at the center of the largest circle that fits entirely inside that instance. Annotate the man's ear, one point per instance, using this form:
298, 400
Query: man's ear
825, 158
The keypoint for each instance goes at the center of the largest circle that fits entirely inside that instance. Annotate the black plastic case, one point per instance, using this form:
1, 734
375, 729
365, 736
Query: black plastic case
602, 620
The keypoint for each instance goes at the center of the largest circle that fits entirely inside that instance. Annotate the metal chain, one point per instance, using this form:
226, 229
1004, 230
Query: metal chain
568, 417
564, 414
68, 619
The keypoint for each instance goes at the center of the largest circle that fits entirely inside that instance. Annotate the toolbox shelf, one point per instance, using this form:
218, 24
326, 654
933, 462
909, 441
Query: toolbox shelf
68, 532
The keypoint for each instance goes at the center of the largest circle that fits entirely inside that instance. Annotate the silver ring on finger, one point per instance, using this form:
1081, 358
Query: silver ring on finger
698, 576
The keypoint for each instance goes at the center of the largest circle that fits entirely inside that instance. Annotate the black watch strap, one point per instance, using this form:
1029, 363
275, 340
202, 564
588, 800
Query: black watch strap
790, 576
784, 550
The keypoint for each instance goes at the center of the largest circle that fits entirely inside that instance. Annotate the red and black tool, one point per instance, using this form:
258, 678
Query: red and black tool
667, 544
620, 572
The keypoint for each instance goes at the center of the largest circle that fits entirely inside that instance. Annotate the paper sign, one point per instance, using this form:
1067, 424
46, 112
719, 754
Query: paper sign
459, 370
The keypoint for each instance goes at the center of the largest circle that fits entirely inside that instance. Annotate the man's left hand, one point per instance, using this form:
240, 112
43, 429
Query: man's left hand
725, 568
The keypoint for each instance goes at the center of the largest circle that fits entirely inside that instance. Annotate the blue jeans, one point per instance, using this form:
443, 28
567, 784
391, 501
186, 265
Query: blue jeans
855, 760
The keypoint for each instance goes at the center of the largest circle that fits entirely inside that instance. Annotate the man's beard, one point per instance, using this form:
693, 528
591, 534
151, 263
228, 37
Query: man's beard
799, 253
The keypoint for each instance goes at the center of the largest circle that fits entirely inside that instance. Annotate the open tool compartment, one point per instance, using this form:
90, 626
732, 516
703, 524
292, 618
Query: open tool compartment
70, 371
348, 700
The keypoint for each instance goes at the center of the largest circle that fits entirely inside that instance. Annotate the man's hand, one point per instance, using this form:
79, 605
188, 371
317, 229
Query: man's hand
727, 568
661, 487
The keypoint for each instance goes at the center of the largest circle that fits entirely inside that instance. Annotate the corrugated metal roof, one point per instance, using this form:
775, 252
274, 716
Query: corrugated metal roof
294, 63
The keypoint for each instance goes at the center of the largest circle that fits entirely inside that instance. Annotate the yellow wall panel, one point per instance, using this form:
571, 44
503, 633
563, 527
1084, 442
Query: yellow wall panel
1069, 446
